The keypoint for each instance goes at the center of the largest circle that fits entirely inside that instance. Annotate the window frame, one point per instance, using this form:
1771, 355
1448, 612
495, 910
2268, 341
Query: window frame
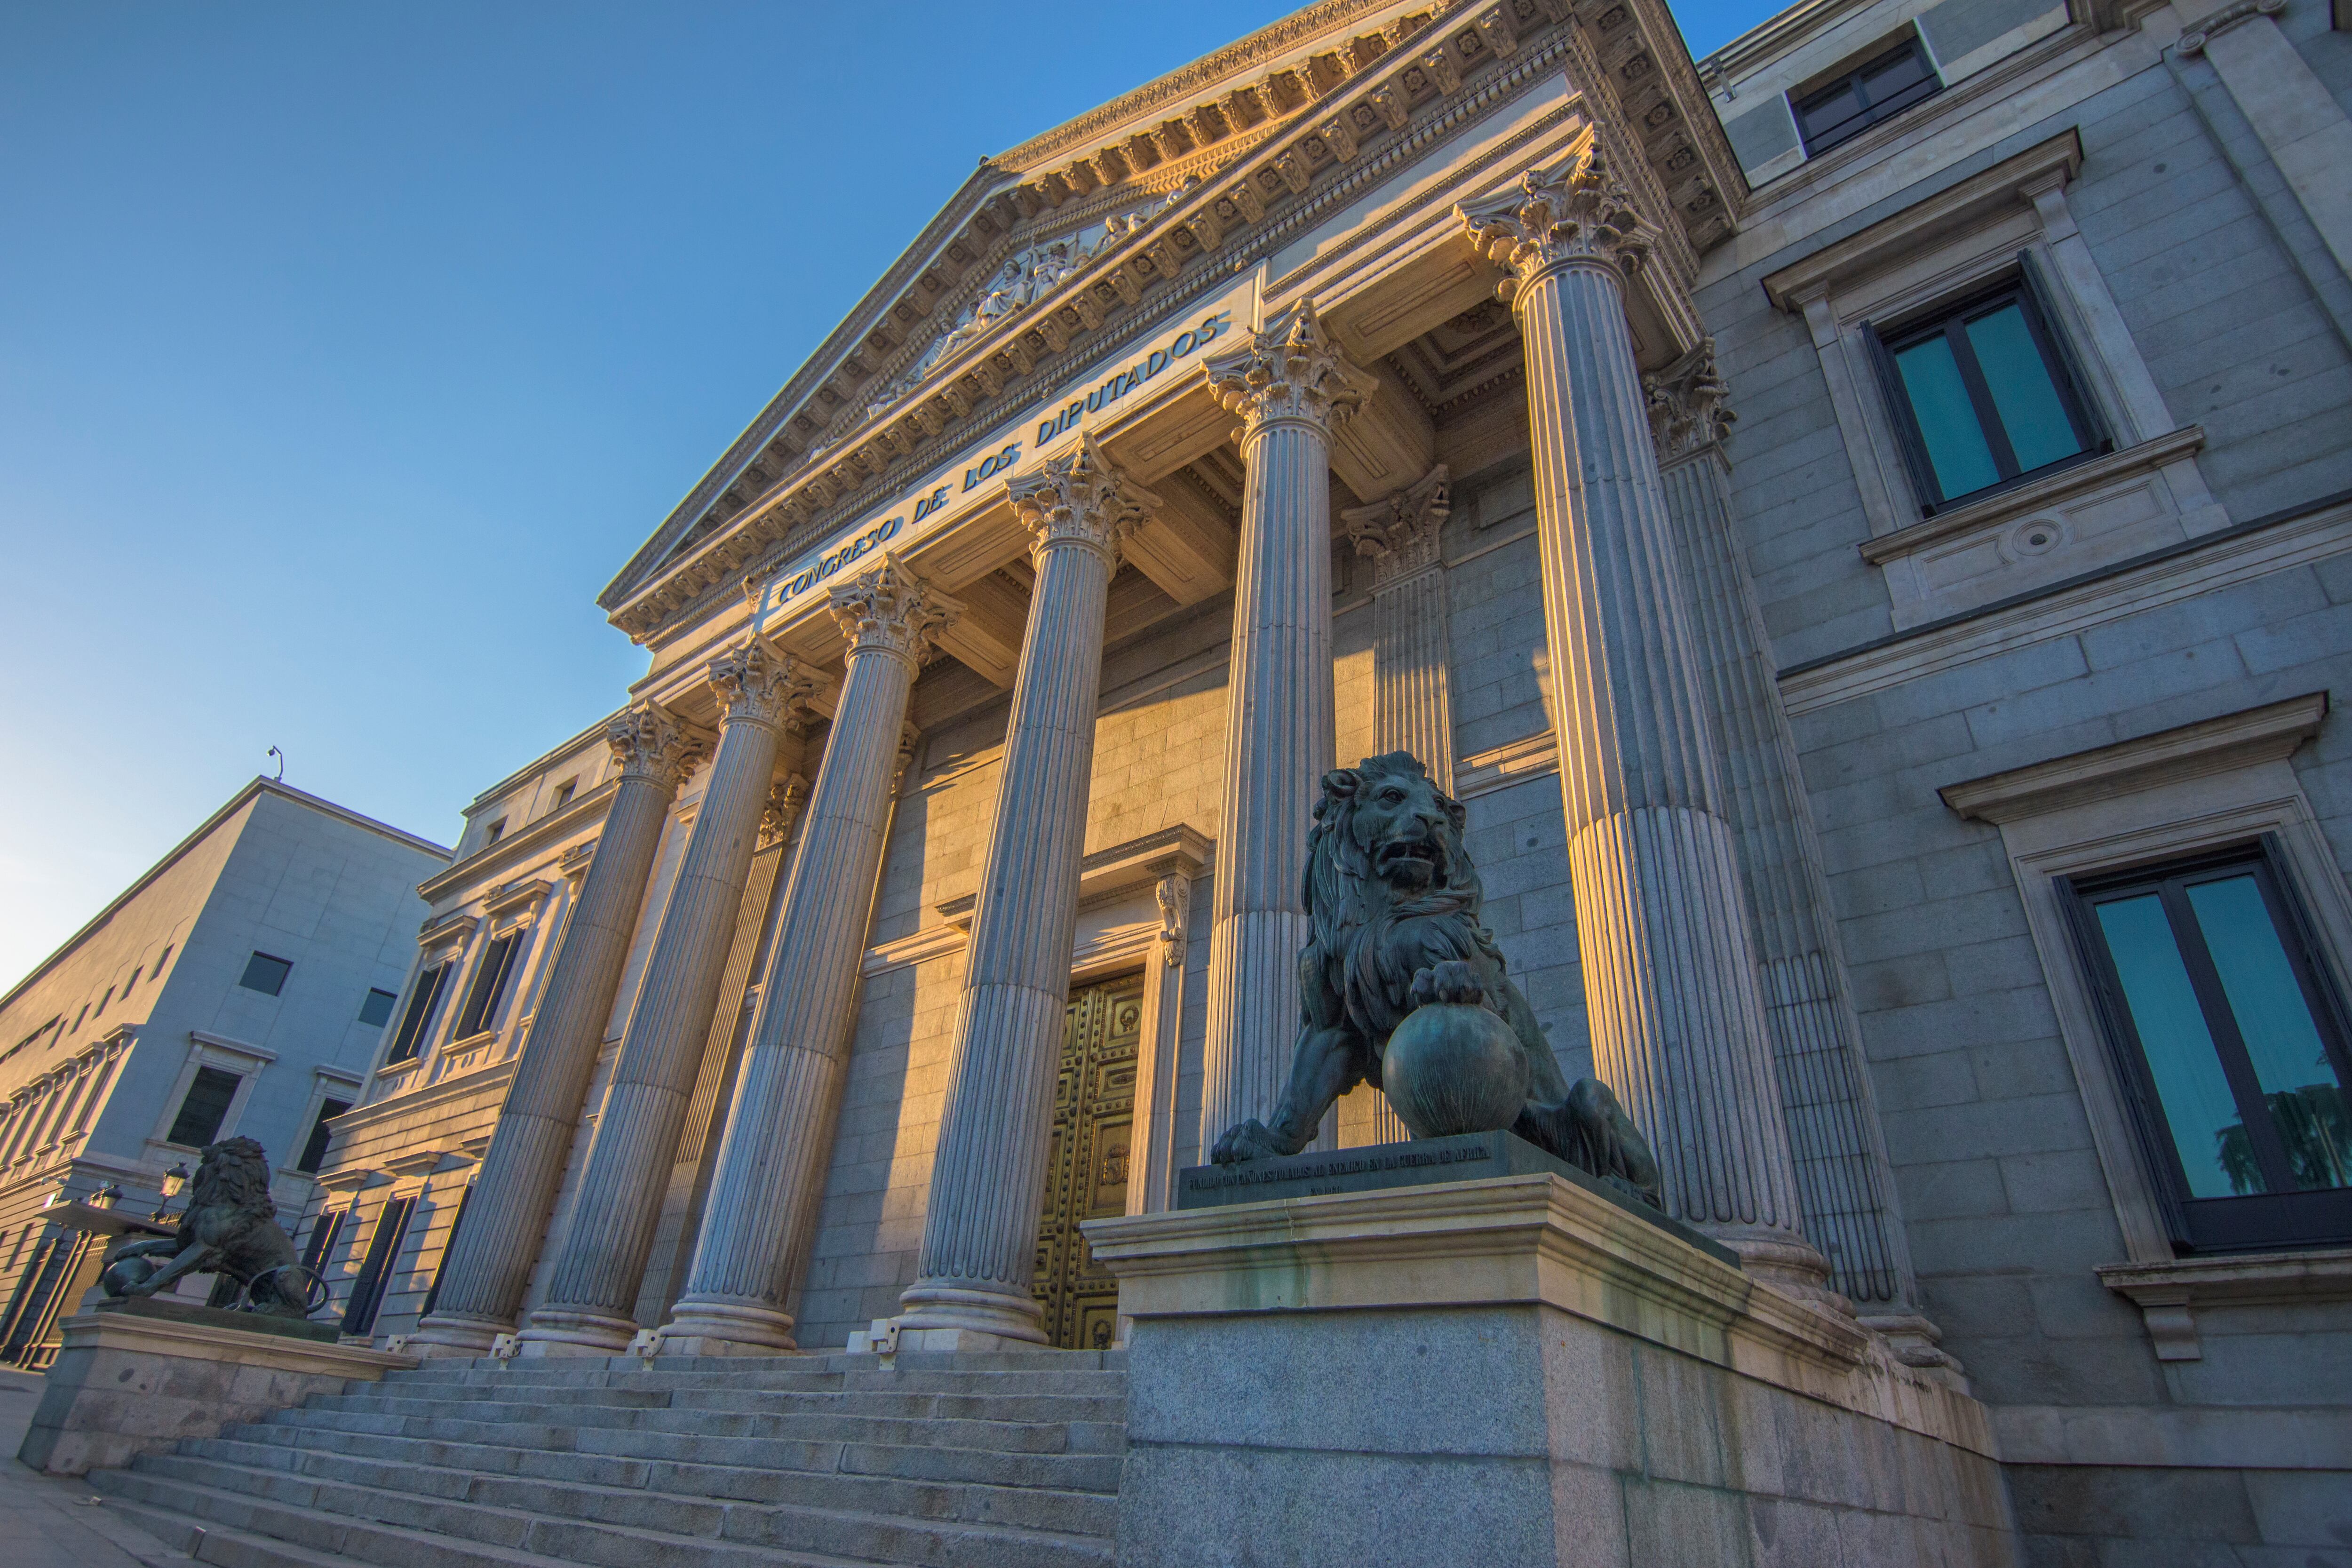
2280, 1217
321, 1134
391, 1004
416, 1019
236, 1083
1873, 114
487, 992
1949, 318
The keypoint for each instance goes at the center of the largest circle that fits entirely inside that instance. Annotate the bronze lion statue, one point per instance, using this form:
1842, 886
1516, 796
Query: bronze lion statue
230, 1229
1393, 902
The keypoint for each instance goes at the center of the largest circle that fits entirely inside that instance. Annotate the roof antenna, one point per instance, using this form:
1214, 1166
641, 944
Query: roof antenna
274, 751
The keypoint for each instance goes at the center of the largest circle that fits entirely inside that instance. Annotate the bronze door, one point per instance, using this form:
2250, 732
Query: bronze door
1085, 1178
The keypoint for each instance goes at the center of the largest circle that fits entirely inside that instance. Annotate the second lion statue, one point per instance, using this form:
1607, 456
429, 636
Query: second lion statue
1393, 903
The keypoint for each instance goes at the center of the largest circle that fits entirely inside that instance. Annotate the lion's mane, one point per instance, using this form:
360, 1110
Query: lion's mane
233, 1174
1368, 940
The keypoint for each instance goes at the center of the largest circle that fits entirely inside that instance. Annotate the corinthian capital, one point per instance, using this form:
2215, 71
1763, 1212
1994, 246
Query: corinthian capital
653, 743
757, 685
1290, 370
891, 610
1079, 499
1686, 411
787, 794
1553, 217
1400, 531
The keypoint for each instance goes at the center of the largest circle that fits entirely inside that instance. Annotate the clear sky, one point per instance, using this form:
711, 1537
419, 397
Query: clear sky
347, 352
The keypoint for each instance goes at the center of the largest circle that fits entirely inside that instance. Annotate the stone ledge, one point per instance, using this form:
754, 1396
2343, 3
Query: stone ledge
2088, 474
1517, 1239
2169, 1293
2176, 1437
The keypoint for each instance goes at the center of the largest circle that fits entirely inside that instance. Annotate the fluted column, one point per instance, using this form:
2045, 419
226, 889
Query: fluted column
1669, 969
588, 1306
490, 1263
1845, 1181
1412, 701
1290, 386
980, 1227
779, 1138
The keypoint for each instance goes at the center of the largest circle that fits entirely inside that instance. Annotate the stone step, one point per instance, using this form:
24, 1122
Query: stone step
240, 1532
527, 1425
614, 1527
986, 1406
763, 1374
1028, 1508
605, 1457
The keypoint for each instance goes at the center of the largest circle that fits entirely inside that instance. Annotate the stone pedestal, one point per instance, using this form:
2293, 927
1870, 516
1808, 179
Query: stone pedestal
1516, 1372
130, 1382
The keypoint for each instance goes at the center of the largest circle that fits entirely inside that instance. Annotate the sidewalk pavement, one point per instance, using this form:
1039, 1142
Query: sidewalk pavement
57, 1521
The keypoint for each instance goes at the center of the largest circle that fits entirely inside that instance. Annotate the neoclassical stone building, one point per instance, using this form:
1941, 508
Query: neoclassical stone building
1863, 524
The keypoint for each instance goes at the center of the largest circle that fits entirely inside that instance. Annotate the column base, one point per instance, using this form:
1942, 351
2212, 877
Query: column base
560, 1333
1919, 1343
934, 1311
459, 1338
1784, 1260
725, 1327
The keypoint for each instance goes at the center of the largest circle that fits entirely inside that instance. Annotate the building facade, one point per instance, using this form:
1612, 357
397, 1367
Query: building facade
1861, 524
236, 990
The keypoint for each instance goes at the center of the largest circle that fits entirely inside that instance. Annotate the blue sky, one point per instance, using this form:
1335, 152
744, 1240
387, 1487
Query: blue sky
347, 352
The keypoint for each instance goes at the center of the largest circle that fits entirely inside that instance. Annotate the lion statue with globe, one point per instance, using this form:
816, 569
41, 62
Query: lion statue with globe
231, 1230
1393, 904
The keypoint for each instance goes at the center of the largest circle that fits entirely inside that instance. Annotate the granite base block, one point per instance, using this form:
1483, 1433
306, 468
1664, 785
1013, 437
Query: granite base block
1510, 1373
129, 1383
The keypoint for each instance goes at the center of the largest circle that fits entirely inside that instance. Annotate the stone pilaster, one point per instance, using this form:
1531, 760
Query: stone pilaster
1290, 384
1151, 1170
592, 1292
1844, 1181
980, 1228
1412, 701
489, 1264
779, 1138
1669, 969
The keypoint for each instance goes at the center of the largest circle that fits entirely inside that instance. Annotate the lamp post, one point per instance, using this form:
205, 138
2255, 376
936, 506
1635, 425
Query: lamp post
173, 1180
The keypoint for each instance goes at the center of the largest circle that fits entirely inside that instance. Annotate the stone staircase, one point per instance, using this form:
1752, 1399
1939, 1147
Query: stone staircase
946, 1461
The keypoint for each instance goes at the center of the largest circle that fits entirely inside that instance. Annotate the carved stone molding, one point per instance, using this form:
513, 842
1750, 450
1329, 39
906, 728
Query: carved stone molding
1290, 370
653, 743
1080, 500
2193, 42
757, 685
1577, 214
1174, 895
786, 795
911, 746
1400, 531
1686, 411
2168, 1294
891, 610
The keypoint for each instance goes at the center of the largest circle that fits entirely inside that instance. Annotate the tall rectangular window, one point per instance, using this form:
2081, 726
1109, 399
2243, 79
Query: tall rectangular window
266, 975
423, 998
314, 1152
207, 1103
1878, 91
376, 1273
2232, 1048
489, 985
324, 1232
1981, 397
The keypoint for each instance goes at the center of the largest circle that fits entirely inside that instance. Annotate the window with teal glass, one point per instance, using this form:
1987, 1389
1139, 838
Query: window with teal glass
2232, 1047
1982, 396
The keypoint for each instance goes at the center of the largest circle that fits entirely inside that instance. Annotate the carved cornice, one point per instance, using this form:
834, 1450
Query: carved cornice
653, 744
2193, 41
1579, 213
1079, 500
757, 685
1440, 67
1291, 372
911, 746
1400, 531
889, 610
1686, 411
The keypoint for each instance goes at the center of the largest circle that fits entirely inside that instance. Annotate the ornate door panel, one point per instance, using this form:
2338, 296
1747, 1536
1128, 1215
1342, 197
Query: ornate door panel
1094, 1119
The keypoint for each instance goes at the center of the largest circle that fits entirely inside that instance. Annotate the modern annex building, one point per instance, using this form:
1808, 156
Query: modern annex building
238, 988
1862, 524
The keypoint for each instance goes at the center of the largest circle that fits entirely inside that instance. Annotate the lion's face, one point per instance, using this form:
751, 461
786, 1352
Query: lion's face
1406, 831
